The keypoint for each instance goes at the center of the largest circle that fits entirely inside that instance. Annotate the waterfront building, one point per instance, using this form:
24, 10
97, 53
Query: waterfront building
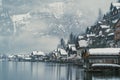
71, 49
117, 33
101, 56
37, 55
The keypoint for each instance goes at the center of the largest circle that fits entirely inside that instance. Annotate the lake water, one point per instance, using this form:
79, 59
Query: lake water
48, 71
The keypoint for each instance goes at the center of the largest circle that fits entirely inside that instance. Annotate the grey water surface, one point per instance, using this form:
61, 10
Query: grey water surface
49, 71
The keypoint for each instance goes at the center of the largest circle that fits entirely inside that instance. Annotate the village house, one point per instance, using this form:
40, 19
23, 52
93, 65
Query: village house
82, 45
117, 33
37, 55
101, 56
63, 54
113, 15
71, 49
115, 10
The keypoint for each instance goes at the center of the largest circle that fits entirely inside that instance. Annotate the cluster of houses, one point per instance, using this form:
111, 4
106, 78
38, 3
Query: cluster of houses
98, 47
34, 56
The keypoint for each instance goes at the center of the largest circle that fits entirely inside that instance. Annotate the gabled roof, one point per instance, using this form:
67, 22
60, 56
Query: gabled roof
73, 48
62, 51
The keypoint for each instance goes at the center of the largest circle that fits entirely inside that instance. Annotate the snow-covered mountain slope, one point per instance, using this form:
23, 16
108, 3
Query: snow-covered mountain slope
31, 24
51, 18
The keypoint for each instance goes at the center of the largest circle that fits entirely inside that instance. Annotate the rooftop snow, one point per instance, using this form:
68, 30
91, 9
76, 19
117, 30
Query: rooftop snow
83, 43
114, 21
62, 51
116, 4
80, 37
100, 22
89, 35
71, 45
108, 30
104, 51
104, 26
110, 34
104, 64
38, 53
73, 48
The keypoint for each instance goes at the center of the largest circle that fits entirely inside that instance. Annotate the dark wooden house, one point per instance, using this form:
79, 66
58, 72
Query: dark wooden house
101, 56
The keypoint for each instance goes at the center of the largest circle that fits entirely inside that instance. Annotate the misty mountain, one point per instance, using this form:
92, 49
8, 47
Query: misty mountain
53, 17
30, 24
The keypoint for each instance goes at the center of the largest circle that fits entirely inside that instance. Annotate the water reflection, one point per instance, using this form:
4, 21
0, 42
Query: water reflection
49, 71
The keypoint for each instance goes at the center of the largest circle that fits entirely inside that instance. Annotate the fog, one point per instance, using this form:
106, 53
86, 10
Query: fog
29, 38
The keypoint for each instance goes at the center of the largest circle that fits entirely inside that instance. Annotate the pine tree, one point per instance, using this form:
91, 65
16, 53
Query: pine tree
62, 43
71, 38
87, 30
100, 15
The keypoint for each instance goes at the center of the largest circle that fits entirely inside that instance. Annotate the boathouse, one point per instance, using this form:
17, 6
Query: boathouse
101, 56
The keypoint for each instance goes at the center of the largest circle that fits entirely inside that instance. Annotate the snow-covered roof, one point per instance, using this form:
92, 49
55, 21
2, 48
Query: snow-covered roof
114, 21
116, 4
80, 37
104, 51
27, 58
73, 48
71, 45
90, 35
100, 33
108, 30
110, 34
56, 53
104, 26
62, 51
83, 43
20, 55
10, 56
38, 53
99, 22
105, 64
